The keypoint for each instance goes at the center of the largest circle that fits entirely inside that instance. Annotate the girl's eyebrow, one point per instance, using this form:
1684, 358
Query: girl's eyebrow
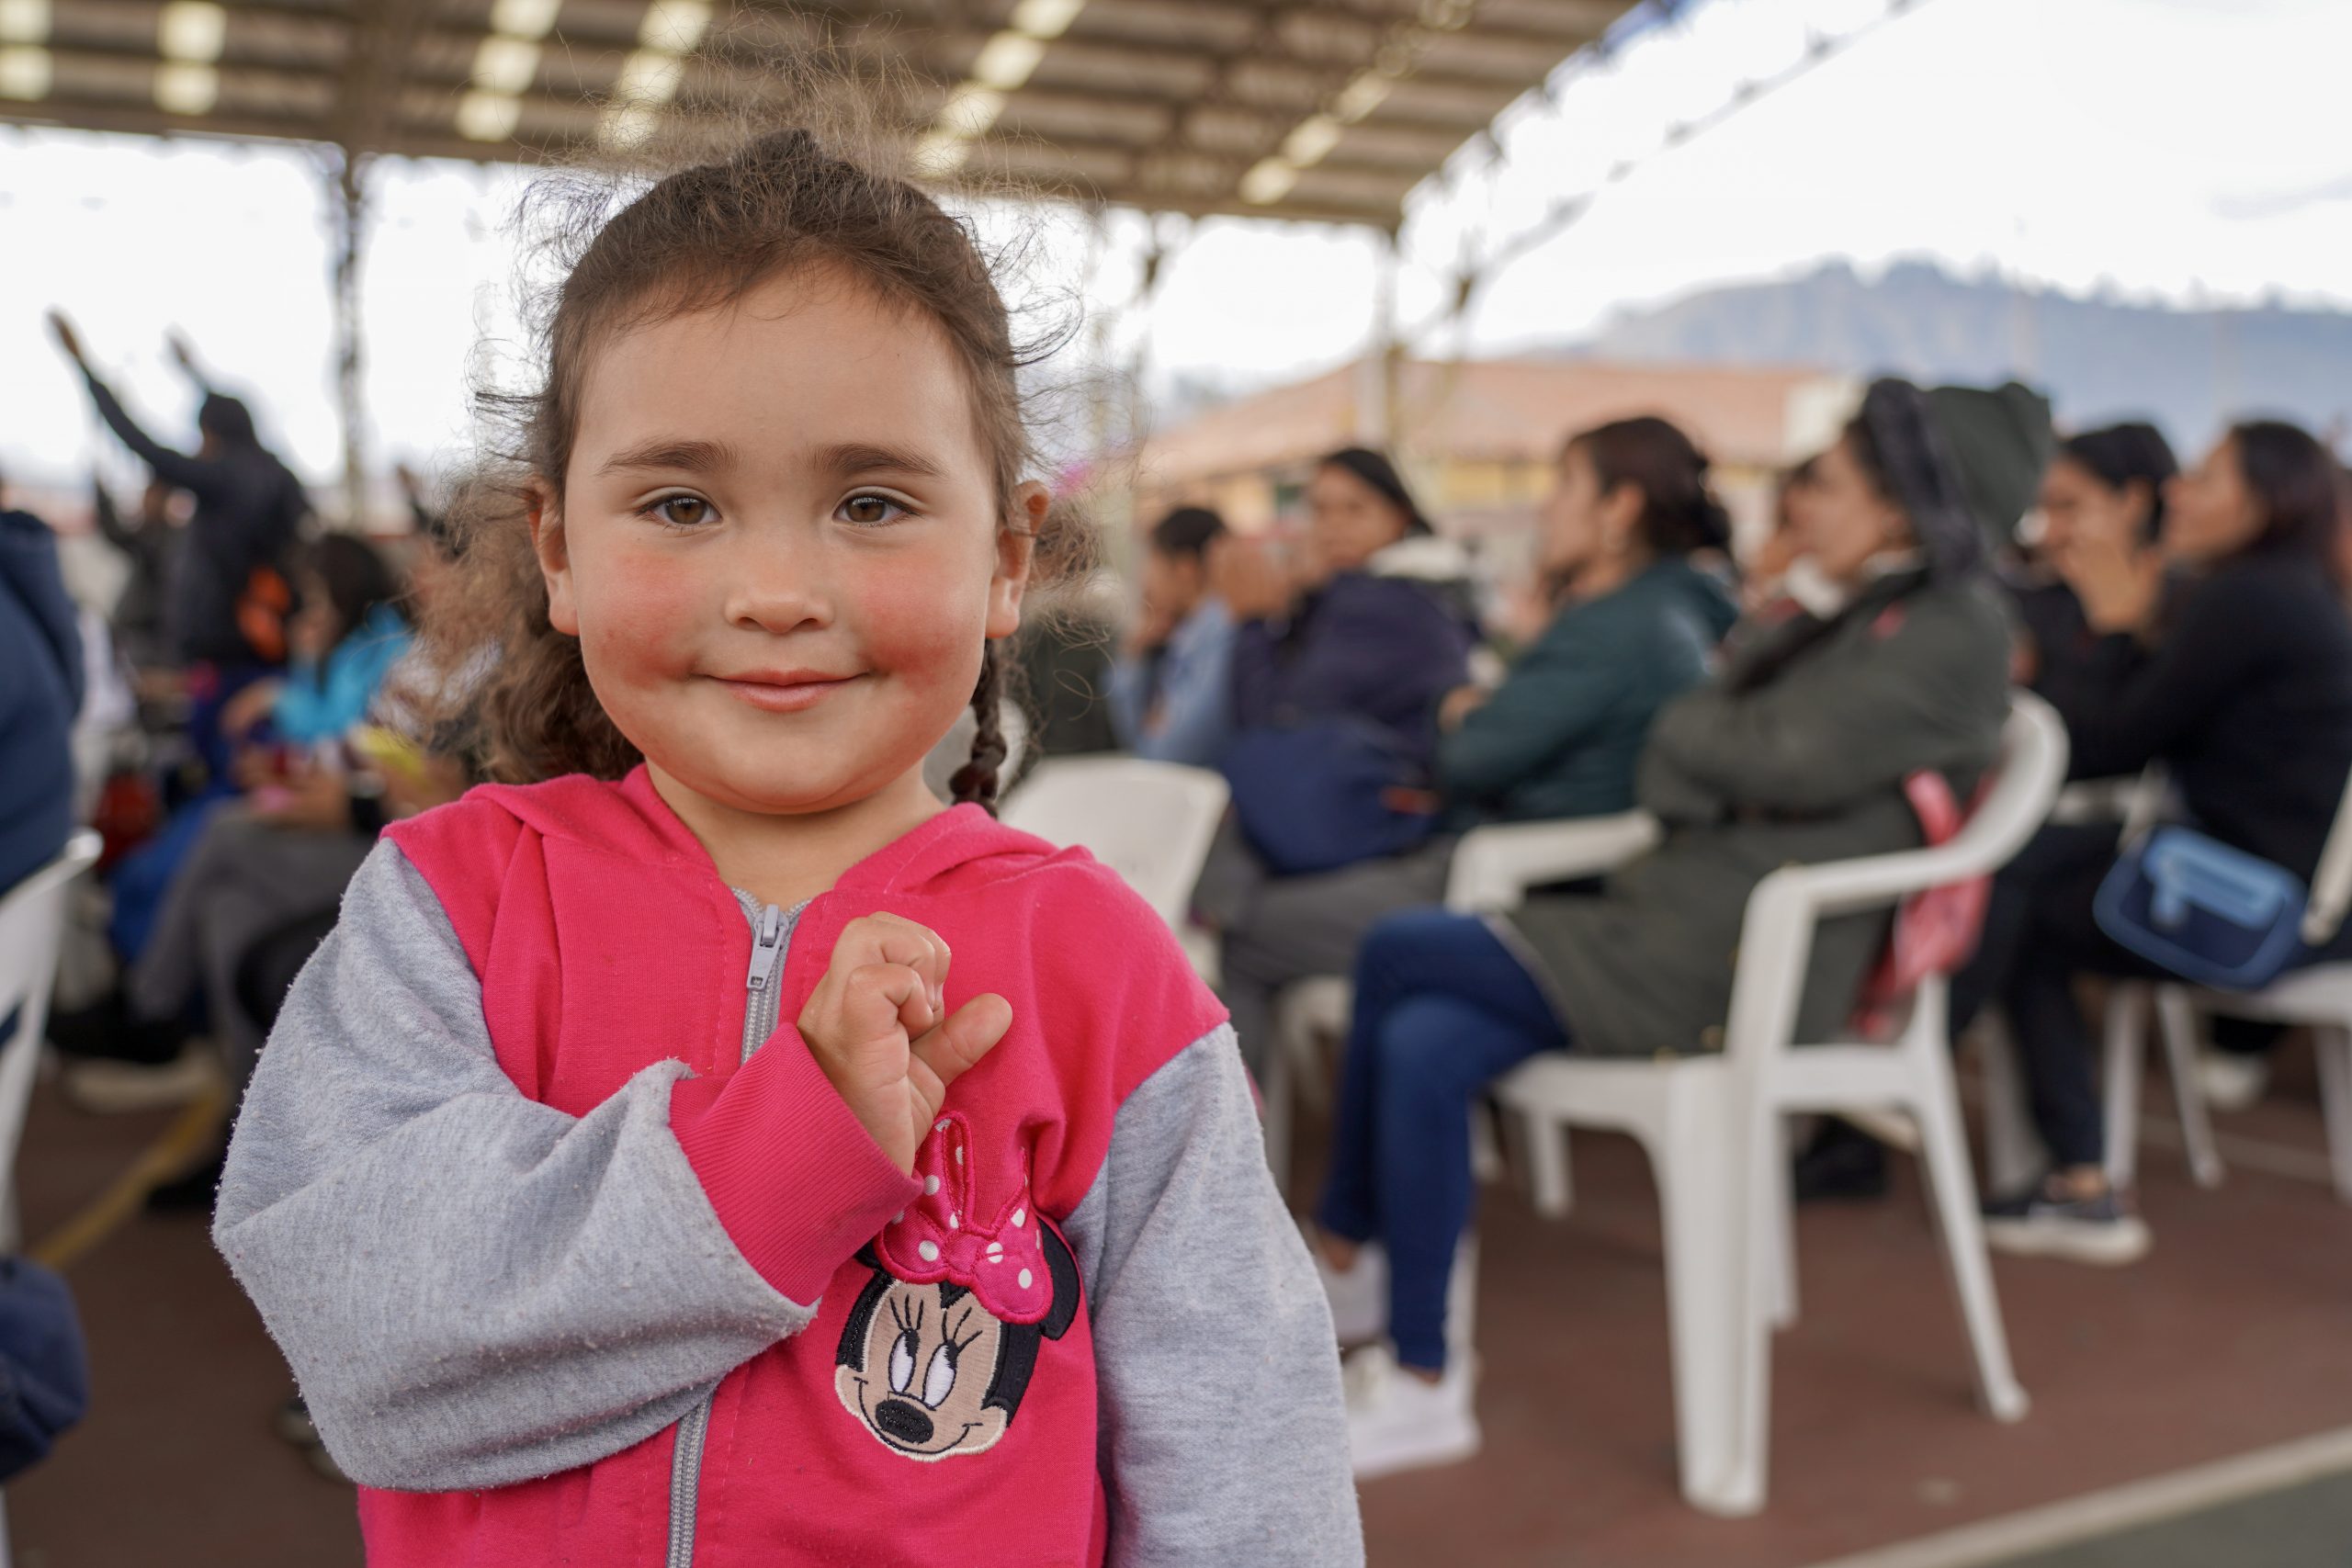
695, 457
859, 458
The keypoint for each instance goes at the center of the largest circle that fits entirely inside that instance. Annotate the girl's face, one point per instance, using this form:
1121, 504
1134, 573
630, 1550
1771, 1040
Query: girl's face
1581, 523
1348, 521
779, 544
2209, 511
1840, 520
2078, 507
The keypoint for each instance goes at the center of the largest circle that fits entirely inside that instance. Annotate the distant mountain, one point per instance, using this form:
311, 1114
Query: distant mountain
2100, 359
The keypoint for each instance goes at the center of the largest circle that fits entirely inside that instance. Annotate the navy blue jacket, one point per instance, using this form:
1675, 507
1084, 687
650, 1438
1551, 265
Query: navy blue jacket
1383, 649
41, 690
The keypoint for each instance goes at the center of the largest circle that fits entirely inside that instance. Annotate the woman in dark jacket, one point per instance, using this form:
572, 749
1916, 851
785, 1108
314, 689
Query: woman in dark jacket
1797, 752
2239, 678
1632, 624
2102, 484
1375, 623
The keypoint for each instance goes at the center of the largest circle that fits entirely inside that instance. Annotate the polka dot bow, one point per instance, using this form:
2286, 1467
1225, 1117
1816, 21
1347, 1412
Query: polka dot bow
941, 1236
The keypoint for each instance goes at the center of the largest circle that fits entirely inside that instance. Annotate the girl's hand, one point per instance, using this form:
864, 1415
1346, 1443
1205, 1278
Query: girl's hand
2118, 584
878, 1027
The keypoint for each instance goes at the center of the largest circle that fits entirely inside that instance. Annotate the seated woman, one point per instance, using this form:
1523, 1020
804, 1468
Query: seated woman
1374, 622
1630, 625
187, 902
1796, 752
2106, 484
2239, 680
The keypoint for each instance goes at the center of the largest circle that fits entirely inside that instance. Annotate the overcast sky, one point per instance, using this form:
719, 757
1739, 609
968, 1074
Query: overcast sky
2189, 150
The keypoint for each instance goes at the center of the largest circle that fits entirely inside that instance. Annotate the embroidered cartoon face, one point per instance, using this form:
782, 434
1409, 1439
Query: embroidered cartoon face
940, 1345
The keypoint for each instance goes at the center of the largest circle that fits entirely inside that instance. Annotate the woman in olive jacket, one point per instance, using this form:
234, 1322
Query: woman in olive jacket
1796, 752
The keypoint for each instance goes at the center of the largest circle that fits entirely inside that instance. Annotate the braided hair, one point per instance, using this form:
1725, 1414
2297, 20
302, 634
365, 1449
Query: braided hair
974, 782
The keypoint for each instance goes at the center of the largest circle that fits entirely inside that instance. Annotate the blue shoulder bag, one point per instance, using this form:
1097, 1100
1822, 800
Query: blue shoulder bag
2209, 913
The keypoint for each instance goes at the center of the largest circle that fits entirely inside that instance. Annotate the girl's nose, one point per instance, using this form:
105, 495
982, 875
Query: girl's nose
776, 590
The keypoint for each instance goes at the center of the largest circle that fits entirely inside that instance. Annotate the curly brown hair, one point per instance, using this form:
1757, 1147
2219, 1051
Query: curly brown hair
698, 239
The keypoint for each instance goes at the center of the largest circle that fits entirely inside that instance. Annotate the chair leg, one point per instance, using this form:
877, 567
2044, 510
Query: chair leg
1708, 1313
1951, 1194
2176, 1027
2014, 1156
2126, 1043
1548, 1172
2335, 1046
1780, 1235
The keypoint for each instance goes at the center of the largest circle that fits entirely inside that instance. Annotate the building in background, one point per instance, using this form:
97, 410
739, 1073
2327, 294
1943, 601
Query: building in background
1478, 438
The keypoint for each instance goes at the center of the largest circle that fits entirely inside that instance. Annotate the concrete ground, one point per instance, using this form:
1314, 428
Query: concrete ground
2231, 1337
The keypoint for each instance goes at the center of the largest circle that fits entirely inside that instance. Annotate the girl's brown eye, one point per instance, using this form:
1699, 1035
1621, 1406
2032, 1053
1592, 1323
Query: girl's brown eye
686, 511
867, 509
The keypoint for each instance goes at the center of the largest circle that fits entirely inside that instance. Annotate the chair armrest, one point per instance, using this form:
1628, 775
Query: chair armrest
1494, 867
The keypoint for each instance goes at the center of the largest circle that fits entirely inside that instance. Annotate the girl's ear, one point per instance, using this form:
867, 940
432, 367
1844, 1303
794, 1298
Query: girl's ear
1017, 547
546, 516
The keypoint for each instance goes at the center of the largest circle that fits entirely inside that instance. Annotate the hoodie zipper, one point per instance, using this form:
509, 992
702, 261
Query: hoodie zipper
771, 931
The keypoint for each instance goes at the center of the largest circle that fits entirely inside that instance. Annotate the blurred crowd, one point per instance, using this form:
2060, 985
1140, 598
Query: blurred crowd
253, 708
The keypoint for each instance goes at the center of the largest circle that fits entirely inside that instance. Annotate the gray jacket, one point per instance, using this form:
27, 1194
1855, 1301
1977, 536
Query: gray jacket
1807, 766
475, 1288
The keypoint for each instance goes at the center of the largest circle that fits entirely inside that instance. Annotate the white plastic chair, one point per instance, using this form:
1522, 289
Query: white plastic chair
32, 918
1714, 1128
2319, 996
1488, 872
1151, 822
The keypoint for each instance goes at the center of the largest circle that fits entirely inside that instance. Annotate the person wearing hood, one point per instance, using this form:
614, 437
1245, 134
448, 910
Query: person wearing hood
249, 508
41, 690
1796, 752
1629, 624
1375, 623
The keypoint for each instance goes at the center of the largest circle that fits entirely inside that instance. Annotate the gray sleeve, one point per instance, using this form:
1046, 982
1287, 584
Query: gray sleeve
1224, 1434
473, 1289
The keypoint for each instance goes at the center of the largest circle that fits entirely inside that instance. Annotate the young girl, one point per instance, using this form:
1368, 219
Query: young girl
720, 1153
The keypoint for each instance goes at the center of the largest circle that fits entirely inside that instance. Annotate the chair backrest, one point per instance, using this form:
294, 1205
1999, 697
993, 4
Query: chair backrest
1776, 938
32, 921
1151, 822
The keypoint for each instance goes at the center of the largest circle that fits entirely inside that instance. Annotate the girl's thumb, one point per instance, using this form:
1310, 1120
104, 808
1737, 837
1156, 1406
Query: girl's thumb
970, 1032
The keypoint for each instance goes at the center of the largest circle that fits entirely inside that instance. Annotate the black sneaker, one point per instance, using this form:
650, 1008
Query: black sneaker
192, 1193
2046, 1224
1843, 1164
106, 1031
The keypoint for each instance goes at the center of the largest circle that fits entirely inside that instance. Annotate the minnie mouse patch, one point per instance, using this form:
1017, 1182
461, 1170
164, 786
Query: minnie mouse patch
941, 1344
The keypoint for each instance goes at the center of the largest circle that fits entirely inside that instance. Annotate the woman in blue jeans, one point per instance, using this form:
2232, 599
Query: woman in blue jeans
1796, 752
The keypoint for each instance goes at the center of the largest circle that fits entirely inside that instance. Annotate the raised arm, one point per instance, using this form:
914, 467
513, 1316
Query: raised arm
475, 1288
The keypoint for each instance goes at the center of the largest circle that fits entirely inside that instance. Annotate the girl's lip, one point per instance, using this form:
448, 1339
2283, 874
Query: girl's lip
783, 693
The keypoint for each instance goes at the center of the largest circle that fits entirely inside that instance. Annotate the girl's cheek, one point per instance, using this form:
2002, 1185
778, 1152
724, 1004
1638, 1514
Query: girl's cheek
918, 621
641, 621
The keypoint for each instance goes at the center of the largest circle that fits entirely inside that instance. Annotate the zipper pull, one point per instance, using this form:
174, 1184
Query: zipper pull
767, 946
